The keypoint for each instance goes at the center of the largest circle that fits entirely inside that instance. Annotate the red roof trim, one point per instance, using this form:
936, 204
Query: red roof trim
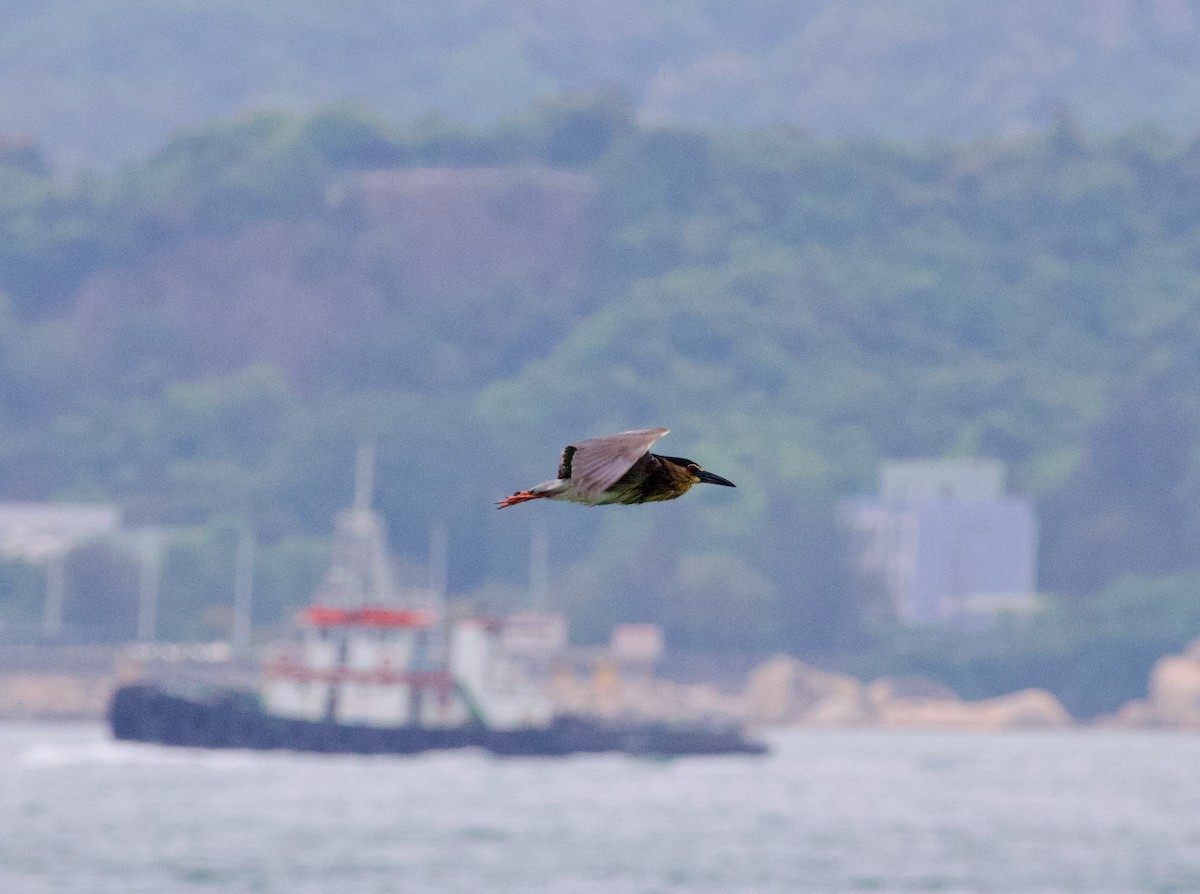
322, 616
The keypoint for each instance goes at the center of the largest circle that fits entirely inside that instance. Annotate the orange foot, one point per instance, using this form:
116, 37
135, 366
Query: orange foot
519, 497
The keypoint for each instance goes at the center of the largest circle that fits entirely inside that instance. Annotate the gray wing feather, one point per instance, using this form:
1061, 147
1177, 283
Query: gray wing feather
598, 464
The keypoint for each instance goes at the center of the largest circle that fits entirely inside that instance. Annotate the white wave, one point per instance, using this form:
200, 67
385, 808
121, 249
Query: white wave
110, 752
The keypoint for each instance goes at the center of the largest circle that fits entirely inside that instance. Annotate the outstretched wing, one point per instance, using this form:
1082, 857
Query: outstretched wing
595, 465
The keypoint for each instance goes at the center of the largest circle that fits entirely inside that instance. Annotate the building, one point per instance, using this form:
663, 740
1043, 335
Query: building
38, 532
946, 541
45, 533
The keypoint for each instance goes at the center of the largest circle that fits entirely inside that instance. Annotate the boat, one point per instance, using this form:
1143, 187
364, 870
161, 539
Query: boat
369, 674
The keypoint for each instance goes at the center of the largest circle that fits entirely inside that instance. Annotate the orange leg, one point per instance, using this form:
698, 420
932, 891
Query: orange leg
519, 497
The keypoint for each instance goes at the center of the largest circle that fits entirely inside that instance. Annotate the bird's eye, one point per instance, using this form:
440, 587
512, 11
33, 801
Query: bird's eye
693, 468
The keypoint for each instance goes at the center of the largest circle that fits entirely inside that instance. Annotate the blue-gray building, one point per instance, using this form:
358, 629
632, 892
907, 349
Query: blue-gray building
946, 541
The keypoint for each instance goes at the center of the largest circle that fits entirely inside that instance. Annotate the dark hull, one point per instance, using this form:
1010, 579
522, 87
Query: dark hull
149, 714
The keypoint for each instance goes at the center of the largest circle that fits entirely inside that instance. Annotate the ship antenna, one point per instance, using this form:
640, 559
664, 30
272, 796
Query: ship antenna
364, 477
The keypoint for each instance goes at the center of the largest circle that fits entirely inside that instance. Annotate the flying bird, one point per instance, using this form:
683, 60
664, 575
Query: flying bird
618, 469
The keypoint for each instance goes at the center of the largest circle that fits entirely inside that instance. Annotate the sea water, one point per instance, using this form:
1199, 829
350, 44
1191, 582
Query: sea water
826, 811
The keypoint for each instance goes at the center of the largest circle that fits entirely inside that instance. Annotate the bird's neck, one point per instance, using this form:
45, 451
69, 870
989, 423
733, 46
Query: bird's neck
666, 480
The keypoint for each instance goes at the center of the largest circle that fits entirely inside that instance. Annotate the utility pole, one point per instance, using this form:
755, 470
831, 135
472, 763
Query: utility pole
243, 593
148, 580
56, 594
539, 560
439, 551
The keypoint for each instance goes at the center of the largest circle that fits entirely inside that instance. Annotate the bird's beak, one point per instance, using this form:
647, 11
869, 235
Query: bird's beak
710, 478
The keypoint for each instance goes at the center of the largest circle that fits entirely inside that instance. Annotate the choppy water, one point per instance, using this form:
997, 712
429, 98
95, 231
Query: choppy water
826, 812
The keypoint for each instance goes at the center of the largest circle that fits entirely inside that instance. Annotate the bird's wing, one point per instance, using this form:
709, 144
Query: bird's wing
597, 464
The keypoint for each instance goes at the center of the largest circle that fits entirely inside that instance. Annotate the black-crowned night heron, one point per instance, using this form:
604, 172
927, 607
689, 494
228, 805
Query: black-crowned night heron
618, 469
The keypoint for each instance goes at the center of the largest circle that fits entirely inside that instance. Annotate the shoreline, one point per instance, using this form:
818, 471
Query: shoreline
782, 692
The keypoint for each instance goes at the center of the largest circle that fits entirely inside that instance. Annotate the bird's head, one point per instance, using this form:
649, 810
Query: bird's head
698, 475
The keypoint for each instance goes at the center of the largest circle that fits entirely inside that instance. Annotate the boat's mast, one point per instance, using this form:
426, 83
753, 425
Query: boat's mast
360, 572
364, 478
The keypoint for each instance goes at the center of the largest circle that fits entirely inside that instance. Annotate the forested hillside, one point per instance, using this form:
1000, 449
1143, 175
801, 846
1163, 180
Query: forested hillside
102, 83
207, 337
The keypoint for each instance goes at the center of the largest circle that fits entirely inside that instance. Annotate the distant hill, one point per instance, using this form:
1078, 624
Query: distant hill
391, 262
103, 83
207, 337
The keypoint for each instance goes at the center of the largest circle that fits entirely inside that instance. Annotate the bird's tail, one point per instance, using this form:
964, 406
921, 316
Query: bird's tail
519, 497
